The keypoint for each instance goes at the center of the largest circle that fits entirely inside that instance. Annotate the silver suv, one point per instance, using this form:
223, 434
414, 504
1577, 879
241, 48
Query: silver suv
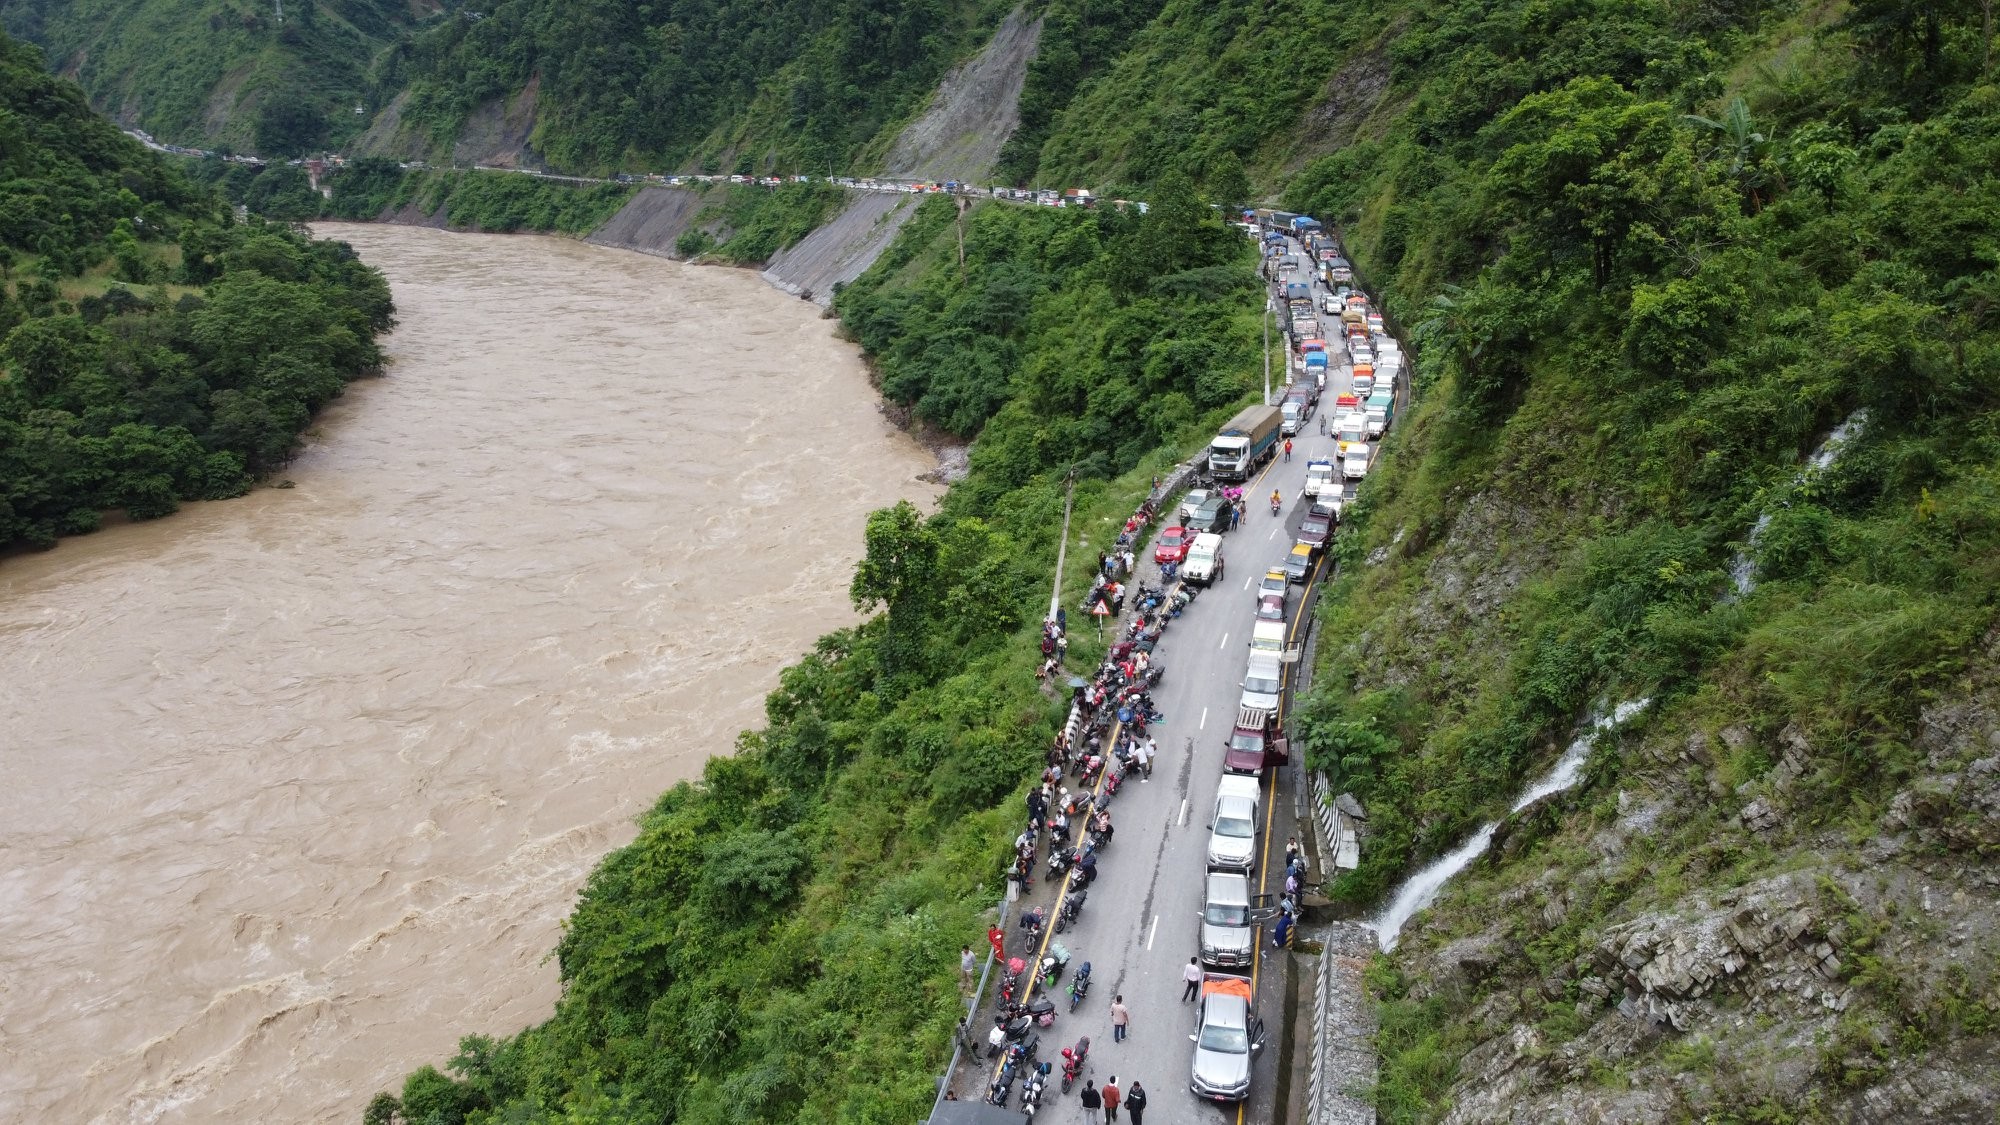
1227, 1037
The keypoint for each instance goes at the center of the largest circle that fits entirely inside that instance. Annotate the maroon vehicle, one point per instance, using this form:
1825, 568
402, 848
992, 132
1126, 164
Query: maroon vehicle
1255, 744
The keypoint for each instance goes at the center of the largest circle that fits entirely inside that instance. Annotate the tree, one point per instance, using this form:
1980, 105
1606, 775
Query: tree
900, 571
289, 123
1228, 184
47, 352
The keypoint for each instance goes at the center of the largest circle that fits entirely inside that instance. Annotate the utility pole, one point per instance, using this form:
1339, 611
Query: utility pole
961, 238
1267, 347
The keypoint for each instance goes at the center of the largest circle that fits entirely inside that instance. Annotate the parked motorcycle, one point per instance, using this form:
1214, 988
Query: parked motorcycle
1072, 905
1043, 1011
1054, 964
1073, 1060
1031, 1089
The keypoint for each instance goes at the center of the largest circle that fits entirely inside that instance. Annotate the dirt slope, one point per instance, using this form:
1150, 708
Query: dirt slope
650, 222
976, 107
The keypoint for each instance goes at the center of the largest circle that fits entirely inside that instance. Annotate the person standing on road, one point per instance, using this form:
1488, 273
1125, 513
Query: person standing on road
1090, 1098
1282, 937
1120, 1020
1111, 1096
1192, 975
1135, 1101
1288, 449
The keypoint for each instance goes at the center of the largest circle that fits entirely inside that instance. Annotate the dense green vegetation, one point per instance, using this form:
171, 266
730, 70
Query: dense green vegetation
222, 73
153, 351
490, 201
754, 85
758, 222
780, 942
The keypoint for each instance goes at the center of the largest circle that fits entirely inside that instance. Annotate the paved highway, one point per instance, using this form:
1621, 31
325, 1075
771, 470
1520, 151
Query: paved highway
1139, 926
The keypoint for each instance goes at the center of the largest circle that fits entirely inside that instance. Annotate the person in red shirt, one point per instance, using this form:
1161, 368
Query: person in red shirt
1110, 1093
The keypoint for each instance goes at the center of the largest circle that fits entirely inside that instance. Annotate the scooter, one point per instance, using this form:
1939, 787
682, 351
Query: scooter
1054, 964
1073, 1059
1277, 506
1043, 1011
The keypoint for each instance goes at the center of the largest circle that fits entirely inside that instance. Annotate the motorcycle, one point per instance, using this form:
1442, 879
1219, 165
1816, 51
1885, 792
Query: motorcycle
1079, 987
1111, 783
1072, 905
1061, 860
1277, 506
1031, 1089
1043, 1012
1054, 964
1073, 1059
1010, 981
1092, 766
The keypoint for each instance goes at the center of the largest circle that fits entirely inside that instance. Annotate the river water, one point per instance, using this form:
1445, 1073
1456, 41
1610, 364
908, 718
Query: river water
300, 786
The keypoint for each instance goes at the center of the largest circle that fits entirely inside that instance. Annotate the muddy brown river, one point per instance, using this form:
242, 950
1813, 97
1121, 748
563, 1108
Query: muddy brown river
300, 786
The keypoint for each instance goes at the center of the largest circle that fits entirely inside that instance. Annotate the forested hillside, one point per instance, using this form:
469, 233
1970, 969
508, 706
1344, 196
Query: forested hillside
275, 79
755, 85
153, 350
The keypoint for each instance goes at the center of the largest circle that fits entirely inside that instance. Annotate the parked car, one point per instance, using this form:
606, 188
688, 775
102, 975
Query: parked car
1172, 545
1211, 516
1254, 744
1227, 938
1273, 582
1299, 564
1232, 829
1190, 502
1271, 607
1263, 680
1227, 1037
1315, 529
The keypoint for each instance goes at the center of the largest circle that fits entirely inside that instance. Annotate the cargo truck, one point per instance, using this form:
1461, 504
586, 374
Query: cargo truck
1379, 408
1245, 443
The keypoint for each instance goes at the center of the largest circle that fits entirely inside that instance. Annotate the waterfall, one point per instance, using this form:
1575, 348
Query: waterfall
1743, 566
1418, 891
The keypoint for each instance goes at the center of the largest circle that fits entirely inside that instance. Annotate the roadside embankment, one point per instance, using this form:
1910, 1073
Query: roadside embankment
651, 221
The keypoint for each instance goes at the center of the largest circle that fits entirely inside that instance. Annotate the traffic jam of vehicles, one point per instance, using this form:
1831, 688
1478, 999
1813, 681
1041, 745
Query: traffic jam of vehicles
1309, 459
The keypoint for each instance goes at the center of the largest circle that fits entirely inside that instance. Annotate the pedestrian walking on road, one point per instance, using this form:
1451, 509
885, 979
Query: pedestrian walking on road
1090, 1098
1120, 1019
1192, 975
1111, 1098
1135, 1102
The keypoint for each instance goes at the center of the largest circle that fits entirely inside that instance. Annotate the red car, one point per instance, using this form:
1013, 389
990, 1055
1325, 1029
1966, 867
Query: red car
1172, 546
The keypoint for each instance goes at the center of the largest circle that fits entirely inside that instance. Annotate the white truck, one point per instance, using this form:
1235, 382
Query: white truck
1319, 474
1354, 461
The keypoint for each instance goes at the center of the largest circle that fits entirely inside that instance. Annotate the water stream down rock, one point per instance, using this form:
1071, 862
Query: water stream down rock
1421, 889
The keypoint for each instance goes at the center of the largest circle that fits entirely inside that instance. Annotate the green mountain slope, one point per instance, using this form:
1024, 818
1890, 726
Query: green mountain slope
222, 73
733, 84
151, 350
